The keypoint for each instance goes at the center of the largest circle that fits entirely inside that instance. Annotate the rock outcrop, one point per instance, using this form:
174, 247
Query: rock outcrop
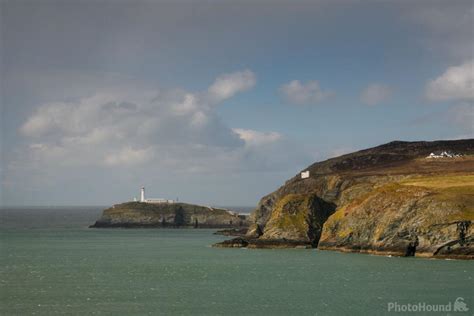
389, 199
136, 214
232, 232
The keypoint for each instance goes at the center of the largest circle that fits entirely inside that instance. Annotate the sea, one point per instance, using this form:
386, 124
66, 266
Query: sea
51, 263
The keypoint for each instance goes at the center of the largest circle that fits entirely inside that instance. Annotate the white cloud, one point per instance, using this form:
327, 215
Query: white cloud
130, 125
456, 83
307, 93
188, 105
375, 94
256, 138
47, 118
154, 129
227, 85
129, 156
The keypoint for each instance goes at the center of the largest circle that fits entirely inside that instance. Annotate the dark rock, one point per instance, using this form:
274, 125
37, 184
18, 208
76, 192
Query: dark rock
232, 232
238, 242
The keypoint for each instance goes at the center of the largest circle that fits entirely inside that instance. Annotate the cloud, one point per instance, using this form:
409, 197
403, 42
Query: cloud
307, 93
157, 130
227, 85
375, 93
129, 156
256, 138
130, 126
456, 83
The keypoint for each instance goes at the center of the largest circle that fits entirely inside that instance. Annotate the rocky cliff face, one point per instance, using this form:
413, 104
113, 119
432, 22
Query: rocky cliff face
136, 214
390, 199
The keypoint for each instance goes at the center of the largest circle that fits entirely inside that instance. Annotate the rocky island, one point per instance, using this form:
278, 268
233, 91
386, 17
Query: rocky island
401, 198
166, 215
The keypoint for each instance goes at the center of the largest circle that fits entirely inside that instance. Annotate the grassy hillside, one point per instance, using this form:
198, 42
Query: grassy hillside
387, 199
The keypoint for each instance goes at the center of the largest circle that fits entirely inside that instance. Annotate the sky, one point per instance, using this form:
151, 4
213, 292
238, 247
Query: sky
218, 102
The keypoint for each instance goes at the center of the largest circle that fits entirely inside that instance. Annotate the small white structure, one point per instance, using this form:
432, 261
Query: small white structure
159, 201
444, 154
305, 174
151, 200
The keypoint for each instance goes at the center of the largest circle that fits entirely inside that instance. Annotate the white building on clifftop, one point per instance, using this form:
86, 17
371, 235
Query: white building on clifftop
143, 199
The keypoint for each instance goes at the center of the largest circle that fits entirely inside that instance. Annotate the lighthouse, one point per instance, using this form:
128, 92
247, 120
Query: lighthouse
142, 195
152, 200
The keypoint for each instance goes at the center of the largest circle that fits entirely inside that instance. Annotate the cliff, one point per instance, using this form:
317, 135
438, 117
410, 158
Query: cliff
389, 199
136, 214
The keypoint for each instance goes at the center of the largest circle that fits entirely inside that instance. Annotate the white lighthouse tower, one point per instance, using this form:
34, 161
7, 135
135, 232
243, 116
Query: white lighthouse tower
142, 195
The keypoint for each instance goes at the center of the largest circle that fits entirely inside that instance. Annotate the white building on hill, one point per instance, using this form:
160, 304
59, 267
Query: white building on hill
444, 154
152, 200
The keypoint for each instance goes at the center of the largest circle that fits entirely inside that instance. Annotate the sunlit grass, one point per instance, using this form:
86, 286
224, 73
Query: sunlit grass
443, 182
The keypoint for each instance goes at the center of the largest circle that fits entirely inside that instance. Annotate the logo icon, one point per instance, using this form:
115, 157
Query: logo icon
460, 306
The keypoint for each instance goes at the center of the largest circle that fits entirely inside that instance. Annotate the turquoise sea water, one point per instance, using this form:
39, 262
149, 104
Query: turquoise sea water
52, 264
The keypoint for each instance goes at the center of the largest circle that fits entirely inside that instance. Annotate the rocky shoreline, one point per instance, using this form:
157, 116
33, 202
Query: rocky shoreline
242, 242
463, 252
